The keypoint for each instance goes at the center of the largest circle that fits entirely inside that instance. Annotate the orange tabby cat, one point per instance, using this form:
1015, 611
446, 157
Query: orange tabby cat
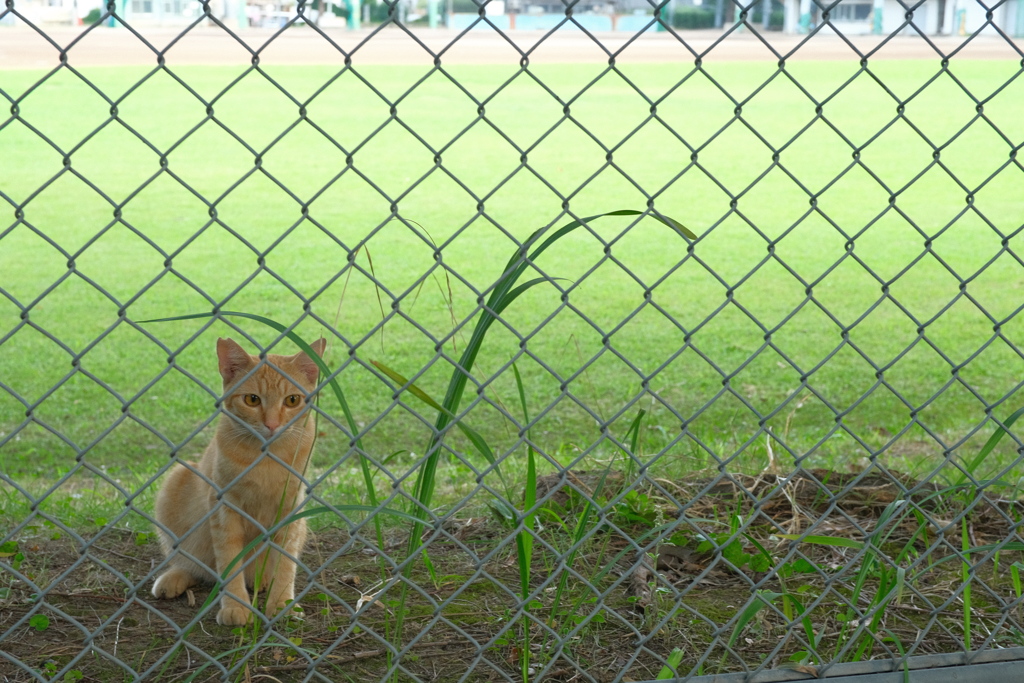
265, 411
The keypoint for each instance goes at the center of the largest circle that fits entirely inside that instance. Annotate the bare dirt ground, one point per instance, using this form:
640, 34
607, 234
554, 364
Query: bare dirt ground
23, 48
102, 624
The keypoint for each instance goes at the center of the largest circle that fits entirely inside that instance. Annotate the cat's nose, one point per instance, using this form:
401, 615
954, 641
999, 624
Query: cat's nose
272, 426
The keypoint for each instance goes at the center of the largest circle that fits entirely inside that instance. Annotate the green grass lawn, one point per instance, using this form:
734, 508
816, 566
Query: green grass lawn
858, 303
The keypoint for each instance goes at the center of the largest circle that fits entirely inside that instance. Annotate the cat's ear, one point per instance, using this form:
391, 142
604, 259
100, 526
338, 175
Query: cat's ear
233, 360
319, 345
310, 370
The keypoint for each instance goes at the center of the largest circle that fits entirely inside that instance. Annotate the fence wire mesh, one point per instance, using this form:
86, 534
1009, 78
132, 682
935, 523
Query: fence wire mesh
745, 400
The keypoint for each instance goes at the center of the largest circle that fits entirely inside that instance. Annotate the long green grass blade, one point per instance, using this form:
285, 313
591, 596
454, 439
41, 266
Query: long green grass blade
761, 600
903, 653
529, 494
890, 584
474, 436
1011, 545
883, 520
530, 500
824, 540
515, 293
888, 588
993, 440
524, 538
406, 385
581, 529
671, 668
634, 430
812, 640
965, 579
866, 570
485, 450
761, 549
296, 339
633, 434
908, 547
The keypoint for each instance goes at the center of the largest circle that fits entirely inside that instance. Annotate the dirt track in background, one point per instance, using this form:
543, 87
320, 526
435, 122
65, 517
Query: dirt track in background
23, 48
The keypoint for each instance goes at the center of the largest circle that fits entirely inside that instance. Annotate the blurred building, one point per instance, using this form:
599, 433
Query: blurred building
932, 17
851, 17
165, 12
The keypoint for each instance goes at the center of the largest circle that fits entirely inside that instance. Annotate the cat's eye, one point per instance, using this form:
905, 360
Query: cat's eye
292, 401
252, 400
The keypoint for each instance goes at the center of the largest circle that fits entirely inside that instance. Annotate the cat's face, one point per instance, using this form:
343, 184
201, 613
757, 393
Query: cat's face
265, 400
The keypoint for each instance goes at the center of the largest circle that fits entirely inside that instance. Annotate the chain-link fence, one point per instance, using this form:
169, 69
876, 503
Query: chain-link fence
651, 353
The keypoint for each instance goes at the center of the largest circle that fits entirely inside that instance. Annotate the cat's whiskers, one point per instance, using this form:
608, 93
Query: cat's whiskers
286, 443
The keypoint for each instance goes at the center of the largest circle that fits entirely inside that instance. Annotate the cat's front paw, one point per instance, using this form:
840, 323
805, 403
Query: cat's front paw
234, 616
172, 583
